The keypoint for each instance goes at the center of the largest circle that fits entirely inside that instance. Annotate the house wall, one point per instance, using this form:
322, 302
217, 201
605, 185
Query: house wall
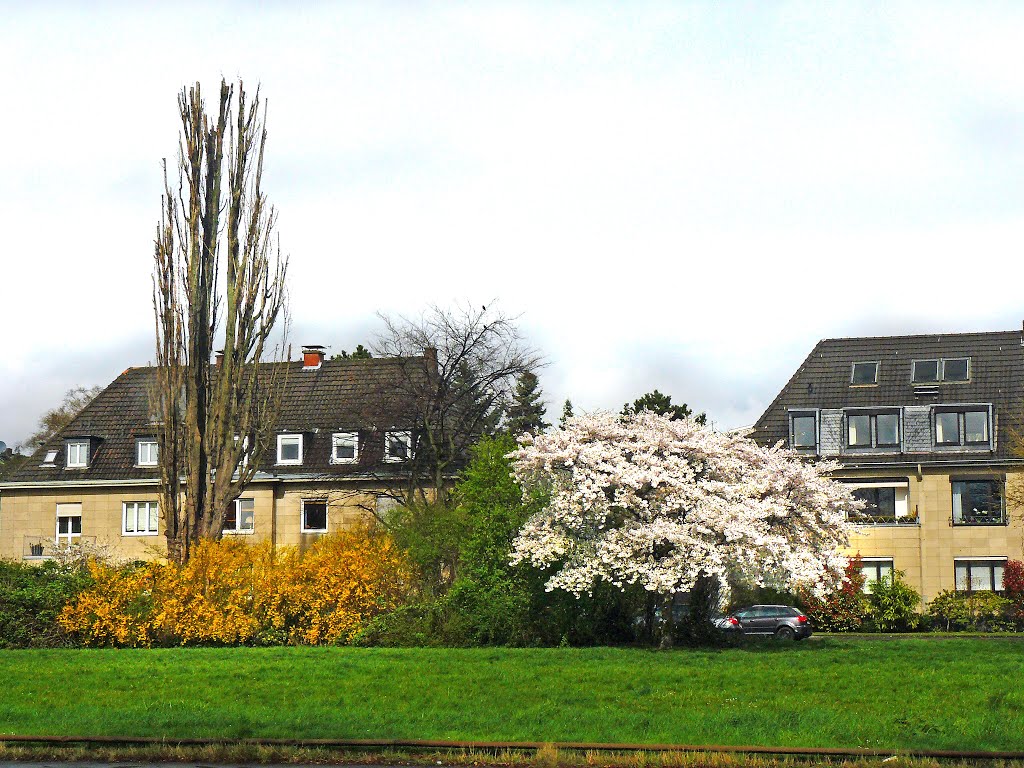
30, 516
926, 551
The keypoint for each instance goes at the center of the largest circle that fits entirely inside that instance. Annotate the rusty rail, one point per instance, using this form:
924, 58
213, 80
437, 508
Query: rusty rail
580, 746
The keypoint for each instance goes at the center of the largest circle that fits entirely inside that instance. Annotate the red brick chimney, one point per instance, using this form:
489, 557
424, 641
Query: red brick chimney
312, 357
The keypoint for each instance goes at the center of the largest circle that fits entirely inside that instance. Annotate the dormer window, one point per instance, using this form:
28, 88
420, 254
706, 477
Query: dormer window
872, 429
803, 430
864, 373
289, 449
962, 426
146, 453
77, 454
397, 446
345, 448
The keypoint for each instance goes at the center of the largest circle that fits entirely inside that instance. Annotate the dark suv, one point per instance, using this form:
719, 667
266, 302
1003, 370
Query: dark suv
782, 621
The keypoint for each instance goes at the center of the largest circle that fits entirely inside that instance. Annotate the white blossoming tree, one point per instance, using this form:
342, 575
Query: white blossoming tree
644, 500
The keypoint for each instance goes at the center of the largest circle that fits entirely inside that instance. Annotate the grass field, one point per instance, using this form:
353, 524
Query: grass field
919, 692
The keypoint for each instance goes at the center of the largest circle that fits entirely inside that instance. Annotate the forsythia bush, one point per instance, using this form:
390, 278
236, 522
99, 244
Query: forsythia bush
233, 593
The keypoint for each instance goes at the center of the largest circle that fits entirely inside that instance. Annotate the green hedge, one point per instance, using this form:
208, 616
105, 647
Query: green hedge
31, 597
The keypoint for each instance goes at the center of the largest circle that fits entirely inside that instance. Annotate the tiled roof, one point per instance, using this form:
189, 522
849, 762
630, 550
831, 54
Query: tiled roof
370, 396
823, 381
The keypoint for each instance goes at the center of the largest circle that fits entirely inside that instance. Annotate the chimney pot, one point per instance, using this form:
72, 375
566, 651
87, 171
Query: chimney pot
312, 357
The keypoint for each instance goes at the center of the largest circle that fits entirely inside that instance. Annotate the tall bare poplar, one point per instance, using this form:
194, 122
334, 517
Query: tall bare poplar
218, 283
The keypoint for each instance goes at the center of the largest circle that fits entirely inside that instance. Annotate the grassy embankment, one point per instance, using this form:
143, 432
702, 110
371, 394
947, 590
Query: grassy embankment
909, 693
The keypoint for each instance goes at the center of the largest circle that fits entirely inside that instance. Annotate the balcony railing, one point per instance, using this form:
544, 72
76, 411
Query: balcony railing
860, 518
46, 547
980, 517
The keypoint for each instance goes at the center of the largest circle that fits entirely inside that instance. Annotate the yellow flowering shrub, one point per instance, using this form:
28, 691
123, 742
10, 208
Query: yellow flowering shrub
340, 583
234, 593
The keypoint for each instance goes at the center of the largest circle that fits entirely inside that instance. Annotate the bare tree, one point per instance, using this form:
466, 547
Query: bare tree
215, 422
54, 420
474, 357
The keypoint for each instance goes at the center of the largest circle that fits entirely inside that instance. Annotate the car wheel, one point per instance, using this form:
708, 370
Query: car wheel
785, 634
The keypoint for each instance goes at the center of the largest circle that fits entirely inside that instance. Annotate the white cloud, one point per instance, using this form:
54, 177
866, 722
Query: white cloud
682, 197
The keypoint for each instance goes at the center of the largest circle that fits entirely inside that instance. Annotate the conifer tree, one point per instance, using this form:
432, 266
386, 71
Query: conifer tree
526, 414
566, 413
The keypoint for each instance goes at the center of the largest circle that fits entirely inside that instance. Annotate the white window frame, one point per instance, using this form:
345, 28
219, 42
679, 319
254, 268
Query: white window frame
302, 516
152, 527
50, 459
388, 436
69, 510
154, 453
280, 441
80, 446
875, 561
336, 439
237, 531
989, 562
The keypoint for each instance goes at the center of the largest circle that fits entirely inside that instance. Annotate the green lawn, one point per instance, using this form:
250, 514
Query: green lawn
924, 693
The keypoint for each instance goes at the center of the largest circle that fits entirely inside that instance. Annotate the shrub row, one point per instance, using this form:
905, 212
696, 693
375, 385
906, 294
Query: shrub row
234, 593
891, 605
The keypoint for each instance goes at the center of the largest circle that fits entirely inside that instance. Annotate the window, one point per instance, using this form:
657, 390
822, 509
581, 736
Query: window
141, 518
979, 574
858, 431
146, 453
944, 369
241, 518
51, 457
69, 522
289, 449
314, 516
345, 448
947, 429
78, 454
978, 502
397, 446
864, 373
804, 430
872, 430
925, 371
885, 502
386, 506
962, 427
875, 569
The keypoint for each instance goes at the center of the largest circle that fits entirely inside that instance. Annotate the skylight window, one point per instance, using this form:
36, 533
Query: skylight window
943, 369
925, 371
955, 369
865, 373
51, 457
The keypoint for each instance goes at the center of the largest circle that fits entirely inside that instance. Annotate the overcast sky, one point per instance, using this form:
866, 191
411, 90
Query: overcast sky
682, 196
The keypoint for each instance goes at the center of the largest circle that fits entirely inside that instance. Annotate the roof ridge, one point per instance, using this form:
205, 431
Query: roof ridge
921, 335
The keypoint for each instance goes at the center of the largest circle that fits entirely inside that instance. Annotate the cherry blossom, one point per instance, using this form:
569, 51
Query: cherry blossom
642, 499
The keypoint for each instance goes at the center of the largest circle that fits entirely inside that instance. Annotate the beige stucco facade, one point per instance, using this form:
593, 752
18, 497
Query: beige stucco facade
927, 549
29, 516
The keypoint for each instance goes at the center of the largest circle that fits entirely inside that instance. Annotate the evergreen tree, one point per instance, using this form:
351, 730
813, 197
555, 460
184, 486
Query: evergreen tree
656, 402
526, 414
566, 413
360, 353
